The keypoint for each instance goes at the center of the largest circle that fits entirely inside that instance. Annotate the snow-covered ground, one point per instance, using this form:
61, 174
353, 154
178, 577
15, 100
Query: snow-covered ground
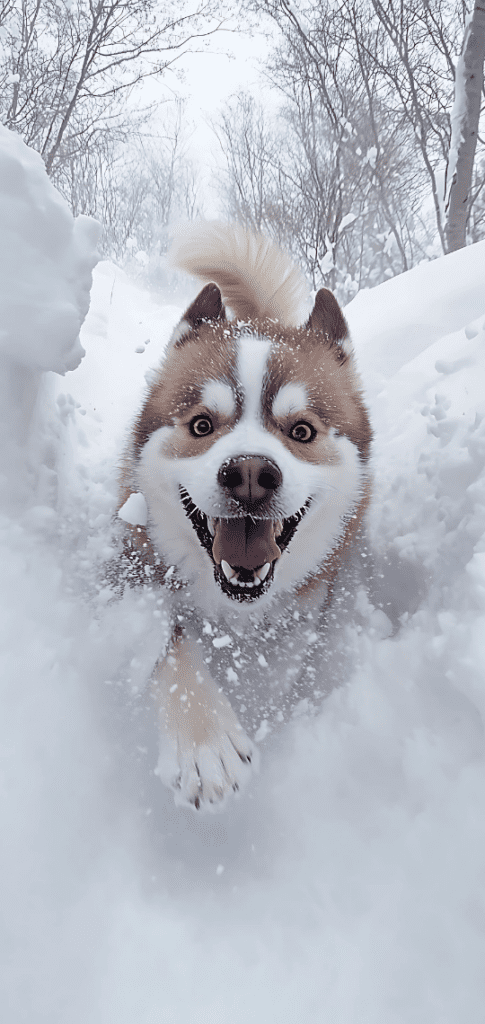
348, 885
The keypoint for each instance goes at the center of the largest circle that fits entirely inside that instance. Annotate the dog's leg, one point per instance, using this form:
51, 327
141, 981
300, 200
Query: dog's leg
213, 755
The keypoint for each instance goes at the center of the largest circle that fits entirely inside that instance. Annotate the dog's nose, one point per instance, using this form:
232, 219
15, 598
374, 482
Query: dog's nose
250, 479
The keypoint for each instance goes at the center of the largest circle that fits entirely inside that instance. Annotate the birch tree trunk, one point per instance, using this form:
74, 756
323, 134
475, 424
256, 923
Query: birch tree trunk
464, 132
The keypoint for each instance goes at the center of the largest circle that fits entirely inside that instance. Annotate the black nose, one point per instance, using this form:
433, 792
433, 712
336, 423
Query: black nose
250, 479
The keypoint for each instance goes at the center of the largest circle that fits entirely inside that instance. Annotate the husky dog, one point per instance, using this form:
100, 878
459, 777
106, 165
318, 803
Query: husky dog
245, 481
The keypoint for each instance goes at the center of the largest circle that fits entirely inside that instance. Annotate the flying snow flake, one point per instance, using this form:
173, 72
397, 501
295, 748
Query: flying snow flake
222, 641
327, 263
347, 220
371, 157
263, 731
135, 510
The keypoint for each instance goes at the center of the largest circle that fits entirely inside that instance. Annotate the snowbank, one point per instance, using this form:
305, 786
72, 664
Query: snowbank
393, 323
46, 259
347, 887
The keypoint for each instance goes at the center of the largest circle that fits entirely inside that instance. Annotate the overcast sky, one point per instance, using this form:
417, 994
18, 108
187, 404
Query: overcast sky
209, 79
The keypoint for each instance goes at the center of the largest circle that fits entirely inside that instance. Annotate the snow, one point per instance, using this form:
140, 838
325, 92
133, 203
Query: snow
371, 157
326, 263
393, 323
134, 510
347, 220
46, 259
347, 885
222, 641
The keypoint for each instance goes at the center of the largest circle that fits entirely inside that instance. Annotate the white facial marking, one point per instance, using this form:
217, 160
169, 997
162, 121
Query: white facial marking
219, 397
338, 490
252, 358
290, 398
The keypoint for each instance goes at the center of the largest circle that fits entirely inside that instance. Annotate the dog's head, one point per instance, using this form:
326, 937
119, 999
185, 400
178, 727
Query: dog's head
251, 447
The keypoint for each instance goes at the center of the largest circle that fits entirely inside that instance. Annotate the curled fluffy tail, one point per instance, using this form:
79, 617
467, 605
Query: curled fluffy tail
256, 278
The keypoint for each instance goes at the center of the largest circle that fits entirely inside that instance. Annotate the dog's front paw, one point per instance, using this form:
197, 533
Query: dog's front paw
205, 755
210, 773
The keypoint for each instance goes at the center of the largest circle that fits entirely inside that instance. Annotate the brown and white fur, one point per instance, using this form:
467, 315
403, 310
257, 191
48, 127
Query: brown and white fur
251, 454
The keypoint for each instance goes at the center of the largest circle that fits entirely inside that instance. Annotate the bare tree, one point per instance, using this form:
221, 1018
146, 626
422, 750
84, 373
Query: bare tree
72, 66
335, 175
251, 180
476, 221
397, 54
465, 120
312, 185
135, 187
6, 7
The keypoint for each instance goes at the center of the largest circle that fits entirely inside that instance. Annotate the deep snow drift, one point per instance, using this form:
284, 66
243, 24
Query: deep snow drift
46, 259
348, 885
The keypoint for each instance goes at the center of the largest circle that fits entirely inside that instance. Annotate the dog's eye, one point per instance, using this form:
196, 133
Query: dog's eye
303, 432
200, 426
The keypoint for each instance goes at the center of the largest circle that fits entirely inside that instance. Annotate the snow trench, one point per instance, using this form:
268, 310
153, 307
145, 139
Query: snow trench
347, 885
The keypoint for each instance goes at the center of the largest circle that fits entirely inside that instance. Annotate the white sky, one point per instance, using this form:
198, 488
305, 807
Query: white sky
209, 78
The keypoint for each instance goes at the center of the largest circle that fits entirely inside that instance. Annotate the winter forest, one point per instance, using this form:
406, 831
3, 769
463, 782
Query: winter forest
347, 884
357, 163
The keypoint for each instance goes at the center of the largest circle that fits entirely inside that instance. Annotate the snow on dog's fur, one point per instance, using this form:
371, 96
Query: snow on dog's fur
248, 462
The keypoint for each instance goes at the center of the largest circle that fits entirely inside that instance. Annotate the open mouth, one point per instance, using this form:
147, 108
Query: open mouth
244, 550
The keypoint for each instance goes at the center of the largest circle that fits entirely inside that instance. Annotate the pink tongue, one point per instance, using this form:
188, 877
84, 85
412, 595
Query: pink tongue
245, 542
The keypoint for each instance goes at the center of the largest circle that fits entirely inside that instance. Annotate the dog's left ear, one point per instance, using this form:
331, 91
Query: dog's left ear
327, 318
207, 307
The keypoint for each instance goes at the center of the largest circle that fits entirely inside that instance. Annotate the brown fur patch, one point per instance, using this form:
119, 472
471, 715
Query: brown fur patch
301, 356
137, 563
206, 354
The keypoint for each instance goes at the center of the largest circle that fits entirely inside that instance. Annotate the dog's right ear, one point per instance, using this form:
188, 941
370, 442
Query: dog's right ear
206, 308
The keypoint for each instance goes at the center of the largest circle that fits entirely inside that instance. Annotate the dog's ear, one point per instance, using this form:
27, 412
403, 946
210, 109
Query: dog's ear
327, 318
207, 307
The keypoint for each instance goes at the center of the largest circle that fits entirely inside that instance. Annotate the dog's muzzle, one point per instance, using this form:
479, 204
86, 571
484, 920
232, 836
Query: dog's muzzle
247, 540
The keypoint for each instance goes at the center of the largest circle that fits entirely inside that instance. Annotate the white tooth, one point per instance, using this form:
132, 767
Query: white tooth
227, 570
241, 583
257, 581
234, 580
278, 527
250, 584
263, 571
211, 525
